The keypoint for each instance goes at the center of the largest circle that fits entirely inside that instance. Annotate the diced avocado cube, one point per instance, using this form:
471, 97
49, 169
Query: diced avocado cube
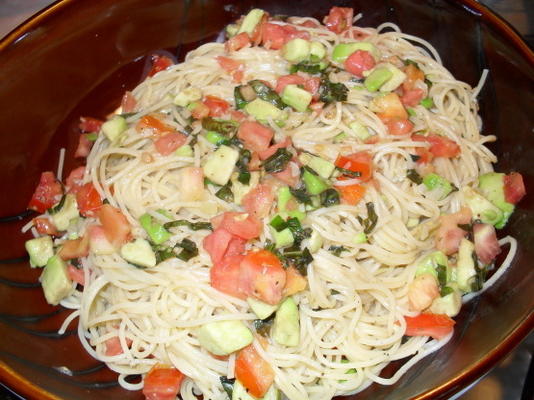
158, 234
449, 304
284, 195
139, 253
340, 137
272, 394
55, 280
481, 207
286, 326
220, 165
396, 79
300, 215
296, 97
429, 264
114, 127
283, 238
261, 309
184, 151
343, 50
40, 250
465, 268
323, 167
251, 20
68, 212
240, 392
187, 96
359, 130
296, 50
439, 184
317, 51
377, 78
224, 337
263, 110
491, 186
314, 184
231, 30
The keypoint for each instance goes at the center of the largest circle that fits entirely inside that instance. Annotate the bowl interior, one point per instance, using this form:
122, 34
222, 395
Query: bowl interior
77, 58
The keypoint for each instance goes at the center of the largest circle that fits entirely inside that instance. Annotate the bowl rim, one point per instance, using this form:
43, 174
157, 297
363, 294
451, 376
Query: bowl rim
464, 378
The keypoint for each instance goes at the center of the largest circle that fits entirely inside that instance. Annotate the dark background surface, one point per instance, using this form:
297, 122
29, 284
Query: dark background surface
513, 378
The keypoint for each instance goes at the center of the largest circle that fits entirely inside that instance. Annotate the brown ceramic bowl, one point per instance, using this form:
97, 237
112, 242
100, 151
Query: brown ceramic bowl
77, 57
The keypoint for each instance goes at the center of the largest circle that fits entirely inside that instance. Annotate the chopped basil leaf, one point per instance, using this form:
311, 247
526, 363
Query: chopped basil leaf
195, 226
370, 222
263, 326
297, 258
278, 223
354, 174
301, 195
299, 233
189, 251
226, 127
334, 292
337, 250
330, 197
267, 94
408, 62
414, 176
445, 290
225, 193
91, 136
242, 166
330, 92
228, 385
442, 274
278, 161
162, 252
414, 157
305, 66
480, 277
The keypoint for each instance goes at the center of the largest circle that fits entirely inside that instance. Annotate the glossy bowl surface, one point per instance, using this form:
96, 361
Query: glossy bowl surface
77, 58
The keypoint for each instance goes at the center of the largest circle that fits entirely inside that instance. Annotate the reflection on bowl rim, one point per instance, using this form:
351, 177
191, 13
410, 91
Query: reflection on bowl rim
465, 377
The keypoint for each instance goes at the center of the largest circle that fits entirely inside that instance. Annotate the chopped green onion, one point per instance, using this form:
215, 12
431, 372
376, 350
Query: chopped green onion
427, 102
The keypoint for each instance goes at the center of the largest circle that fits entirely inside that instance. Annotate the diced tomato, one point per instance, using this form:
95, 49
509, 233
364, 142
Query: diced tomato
200, 110
422, 292
295, 282
399, 126
162, 383
98, 242
47, 193
76, 274
285, 80
153, 123
361, 162
88, 199
84, 146
413, 74
115, 225
390, 106
216, 105
229, 64
425, 156
192, 184
244, 225
426, 324
221, 244
258, 201
74, 180
486, 244
113, 346
253, 371
275, 36
74, 248
359, 62
412, 97
317, 106
45, 226
265, 154
255, 162
449, 235
350, 194
237, 42
128, 102
89, 124
440, 146
255, 136
238, 115
312, 85
225, 276
309, 24
262, 276
289, 175
514, 187
159, 63
339, 19
168, 143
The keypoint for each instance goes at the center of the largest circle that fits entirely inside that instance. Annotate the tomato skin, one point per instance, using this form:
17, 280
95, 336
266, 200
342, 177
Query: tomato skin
390, 106
339, 19
253, 371
47, 193
255, 136
84, 146
357, 162
216, 105
115, 225
162, 383
74, 180
412, 97
359, 62
264, 154
413, 74
159, 63
74, 248
285, 80
89, 124
449, 235
258, 201
262, 276
45, 226
427, 324
88, 199
154, 124
168, 143
350, 194
278, 35
128, 102
76, 274
399, 126
440, 146
225, 276
237, 42
514, 187
221, 244
242, 225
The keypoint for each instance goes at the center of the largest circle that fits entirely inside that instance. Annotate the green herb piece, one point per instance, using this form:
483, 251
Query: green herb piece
299, 233
240, 101
225, 127
278, 161
189, 251
480, 277
305, 66
297, 258
415, 157
301, 195
267, 94
348, 172
157, 232
427, 102
215, 138
370, 222
412, 175
411, 112
162, 252
58, 206
330, 92
242, 166
195, 226
91, 136
263, 326
337, 250
228, 385
442, 274
445, 290
411, 62
225, 193
278, 223
330, 197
